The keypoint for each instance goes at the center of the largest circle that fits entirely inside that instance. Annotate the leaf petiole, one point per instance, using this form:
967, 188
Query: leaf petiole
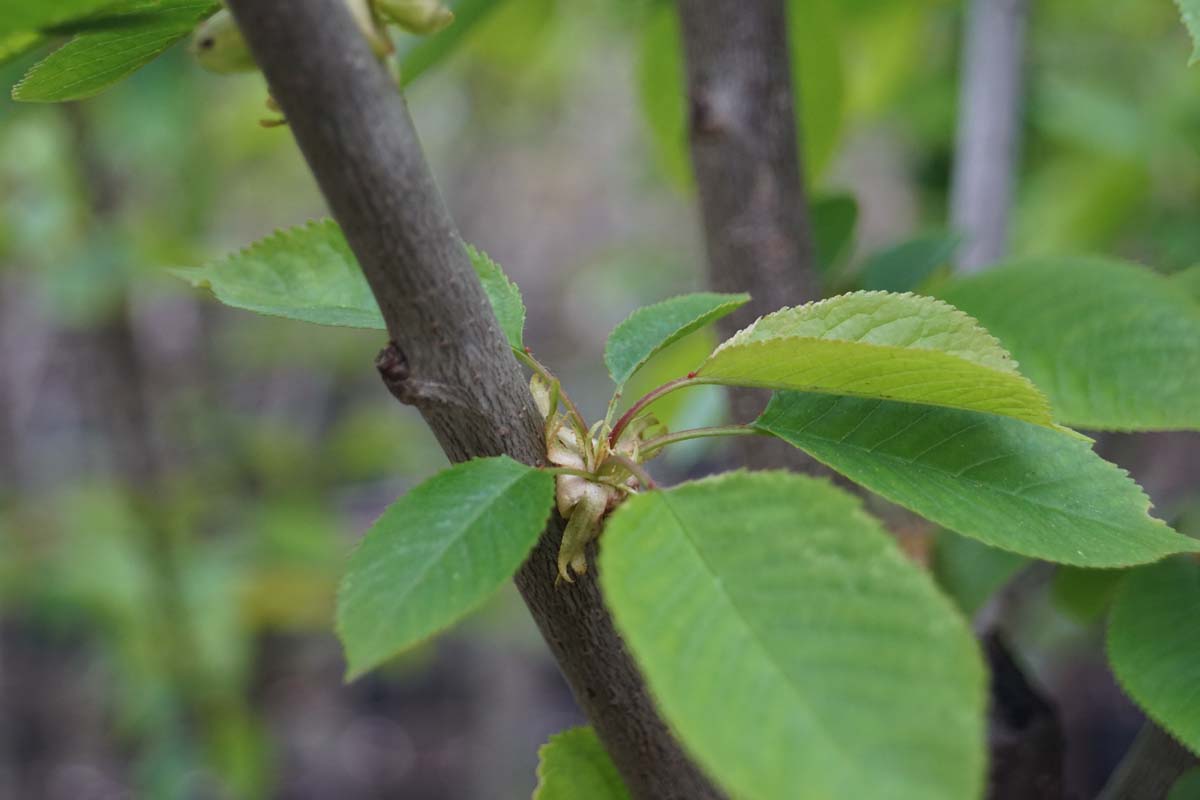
653, 445
647, 399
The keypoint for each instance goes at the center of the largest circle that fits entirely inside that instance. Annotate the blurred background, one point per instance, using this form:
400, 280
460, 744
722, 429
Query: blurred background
180, 482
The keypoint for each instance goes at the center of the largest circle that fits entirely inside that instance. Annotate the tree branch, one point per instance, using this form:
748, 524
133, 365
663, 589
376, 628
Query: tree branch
748, 173
989, 116
354, 129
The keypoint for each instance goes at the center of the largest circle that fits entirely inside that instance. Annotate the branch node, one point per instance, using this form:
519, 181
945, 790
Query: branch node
397, 377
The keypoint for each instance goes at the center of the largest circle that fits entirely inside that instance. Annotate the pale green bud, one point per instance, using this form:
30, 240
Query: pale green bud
219, 47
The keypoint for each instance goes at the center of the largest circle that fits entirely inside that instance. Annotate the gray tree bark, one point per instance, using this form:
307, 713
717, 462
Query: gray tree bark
989, 122
447, 356
748, 174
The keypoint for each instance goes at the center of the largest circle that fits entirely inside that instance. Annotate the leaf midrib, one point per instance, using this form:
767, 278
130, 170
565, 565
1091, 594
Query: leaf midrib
833, 744
401, 597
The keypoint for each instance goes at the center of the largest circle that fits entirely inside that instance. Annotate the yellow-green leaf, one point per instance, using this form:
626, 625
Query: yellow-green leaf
879, 345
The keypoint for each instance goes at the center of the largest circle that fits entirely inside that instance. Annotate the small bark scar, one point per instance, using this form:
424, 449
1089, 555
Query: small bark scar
394, 370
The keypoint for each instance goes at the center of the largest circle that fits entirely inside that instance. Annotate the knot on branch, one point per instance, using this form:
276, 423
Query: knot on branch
397, 377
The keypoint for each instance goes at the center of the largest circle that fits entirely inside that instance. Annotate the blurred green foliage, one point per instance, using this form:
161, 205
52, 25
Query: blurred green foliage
559, 133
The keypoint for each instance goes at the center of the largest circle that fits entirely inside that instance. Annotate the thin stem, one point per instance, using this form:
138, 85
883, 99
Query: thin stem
646, 400
637, 469
698, 433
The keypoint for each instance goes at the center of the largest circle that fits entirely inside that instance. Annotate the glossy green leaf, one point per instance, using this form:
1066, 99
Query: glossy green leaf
1025, 488
833, 218
1114, 345
437, 553
503, 295
907, 266
970, 571
793, 647
310, 274
875, 344
573, 765
91, 62
1190, 11
1154, 648
306, 273
651, 328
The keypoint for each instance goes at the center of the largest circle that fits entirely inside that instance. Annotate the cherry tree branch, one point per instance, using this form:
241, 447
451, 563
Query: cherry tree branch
447, 356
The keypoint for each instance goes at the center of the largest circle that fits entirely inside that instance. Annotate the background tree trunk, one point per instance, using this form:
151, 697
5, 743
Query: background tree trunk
448, 356
749, 176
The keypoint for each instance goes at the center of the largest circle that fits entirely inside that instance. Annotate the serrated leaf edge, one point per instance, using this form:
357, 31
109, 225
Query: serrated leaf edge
1120, 678
343, 584
734, 299
957, 313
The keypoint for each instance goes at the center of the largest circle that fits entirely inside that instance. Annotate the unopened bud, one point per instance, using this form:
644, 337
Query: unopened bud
219, 47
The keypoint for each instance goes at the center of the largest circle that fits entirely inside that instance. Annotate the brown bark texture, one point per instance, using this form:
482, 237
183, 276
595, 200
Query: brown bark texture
749, 176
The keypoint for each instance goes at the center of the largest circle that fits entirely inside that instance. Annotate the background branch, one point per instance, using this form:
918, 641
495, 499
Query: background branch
359, 141
748, 174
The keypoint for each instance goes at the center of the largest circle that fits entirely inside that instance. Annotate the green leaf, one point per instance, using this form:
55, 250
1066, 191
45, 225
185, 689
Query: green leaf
310, 274
793, 647
573, 765
833, 218
1084, 594
36, 15
419, 54
306, 273
907, 266
1187, 787
651, 328
503, 294
970, 571
1190, 11
875, 344
1188, 280
91, 62
1114, 345
814, 39
437, 553
660, 84
1153, 647
1025, 488
15, 45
